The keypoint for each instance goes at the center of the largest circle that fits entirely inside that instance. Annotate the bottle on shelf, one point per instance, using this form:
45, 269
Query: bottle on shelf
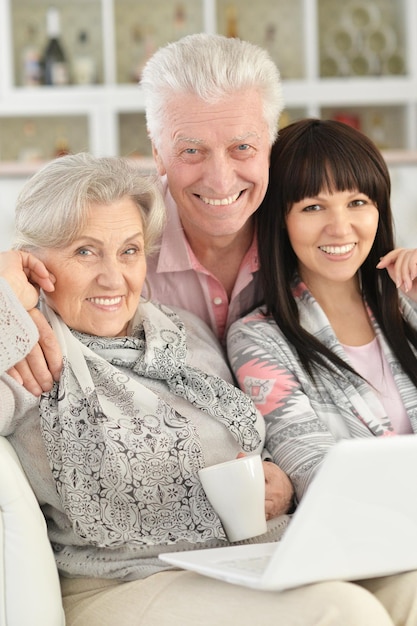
231, 21
138, 53
348, 118
61, 147
55, 63
180, 21
143, 48
84, 66
31, 59
30, 150
377, 131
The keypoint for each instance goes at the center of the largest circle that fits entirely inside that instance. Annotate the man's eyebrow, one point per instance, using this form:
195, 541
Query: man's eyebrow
198, 142
194, 140
246, 136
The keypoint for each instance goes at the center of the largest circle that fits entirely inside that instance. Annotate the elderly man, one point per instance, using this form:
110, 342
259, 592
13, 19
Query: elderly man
212, 124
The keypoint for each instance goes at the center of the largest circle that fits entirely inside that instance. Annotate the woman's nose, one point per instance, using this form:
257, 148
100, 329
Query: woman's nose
339, 223
110, 274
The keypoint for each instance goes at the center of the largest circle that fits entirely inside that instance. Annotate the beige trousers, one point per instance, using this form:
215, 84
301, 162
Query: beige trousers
178, 598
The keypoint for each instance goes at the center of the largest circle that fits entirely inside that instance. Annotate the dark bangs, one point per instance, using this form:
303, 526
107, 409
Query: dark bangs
314, 155
328, 155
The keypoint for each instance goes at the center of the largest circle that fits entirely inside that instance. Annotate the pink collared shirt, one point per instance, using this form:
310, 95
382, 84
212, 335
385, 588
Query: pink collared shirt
177, 278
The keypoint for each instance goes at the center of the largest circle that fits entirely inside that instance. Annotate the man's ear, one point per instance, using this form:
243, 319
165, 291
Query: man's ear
158, 161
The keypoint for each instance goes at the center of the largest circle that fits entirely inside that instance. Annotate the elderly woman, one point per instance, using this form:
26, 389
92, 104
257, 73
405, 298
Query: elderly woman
113, 451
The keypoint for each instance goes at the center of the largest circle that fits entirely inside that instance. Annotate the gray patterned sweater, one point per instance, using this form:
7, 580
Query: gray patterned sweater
19, 420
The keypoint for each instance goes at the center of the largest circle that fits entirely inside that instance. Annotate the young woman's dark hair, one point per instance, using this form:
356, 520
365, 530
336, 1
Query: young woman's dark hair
310, 156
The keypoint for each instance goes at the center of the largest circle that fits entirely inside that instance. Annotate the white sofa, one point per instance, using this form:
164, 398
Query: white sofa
29, 584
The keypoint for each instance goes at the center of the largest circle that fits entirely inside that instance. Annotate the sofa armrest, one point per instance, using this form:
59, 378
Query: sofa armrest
29, 583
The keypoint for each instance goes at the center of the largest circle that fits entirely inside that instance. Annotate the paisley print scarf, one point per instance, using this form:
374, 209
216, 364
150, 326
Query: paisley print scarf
124, 461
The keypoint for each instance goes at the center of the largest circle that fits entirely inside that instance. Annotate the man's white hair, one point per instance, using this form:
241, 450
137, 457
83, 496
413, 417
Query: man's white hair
210, 67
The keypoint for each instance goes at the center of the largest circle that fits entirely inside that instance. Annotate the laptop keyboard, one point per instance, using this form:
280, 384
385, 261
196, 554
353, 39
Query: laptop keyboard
254, 565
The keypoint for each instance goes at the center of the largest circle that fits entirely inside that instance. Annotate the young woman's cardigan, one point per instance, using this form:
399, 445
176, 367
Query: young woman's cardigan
303, 419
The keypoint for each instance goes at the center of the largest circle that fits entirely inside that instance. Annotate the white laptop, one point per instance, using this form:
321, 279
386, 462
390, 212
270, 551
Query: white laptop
357, 520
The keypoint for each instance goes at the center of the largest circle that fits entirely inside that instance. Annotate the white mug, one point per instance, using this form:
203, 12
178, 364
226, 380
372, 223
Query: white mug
236, 491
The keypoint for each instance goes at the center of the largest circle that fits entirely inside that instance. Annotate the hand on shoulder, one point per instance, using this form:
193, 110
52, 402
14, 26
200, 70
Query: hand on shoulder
25, 275
401, 265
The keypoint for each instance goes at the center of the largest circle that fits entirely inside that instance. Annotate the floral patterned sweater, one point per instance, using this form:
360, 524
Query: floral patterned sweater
77, 556
304, 419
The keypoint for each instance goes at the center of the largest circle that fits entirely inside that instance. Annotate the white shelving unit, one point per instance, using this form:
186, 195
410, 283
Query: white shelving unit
104, 108
107, 118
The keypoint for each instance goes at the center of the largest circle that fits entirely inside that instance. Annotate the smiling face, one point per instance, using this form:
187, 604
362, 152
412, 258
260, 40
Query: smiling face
216, 160
331, 235
100, 275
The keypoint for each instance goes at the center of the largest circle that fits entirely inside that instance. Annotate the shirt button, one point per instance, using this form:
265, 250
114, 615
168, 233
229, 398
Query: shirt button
217, 300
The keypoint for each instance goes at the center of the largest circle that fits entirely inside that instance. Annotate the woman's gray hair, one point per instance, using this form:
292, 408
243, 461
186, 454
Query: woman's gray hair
52, 207
210, 67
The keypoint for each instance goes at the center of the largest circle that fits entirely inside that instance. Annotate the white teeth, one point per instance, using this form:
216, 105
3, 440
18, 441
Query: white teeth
220, 202
105, 301
338, 249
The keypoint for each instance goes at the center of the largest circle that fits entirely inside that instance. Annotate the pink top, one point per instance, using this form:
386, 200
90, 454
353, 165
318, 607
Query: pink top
370, 362
177, 278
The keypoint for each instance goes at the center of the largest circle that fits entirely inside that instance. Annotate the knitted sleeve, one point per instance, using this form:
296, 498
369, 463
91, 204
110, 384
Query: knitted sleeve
267, 369
18, 333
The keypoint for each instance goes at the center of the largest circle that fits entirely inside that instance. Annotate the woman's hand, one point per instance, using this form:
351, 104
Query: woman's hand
401, 265
43, 364
25, 275
279, 492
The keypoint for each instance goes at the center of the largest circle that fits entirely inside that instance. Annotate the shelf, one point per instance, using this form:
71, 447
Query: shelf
27, 19
33, 138
299, 34
275, 26
362, 38
15, 169
139, 31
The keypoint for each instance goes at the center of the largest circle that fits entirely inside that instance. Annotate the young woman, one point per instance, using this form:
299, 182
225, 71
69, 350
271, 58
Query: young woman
332, 354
